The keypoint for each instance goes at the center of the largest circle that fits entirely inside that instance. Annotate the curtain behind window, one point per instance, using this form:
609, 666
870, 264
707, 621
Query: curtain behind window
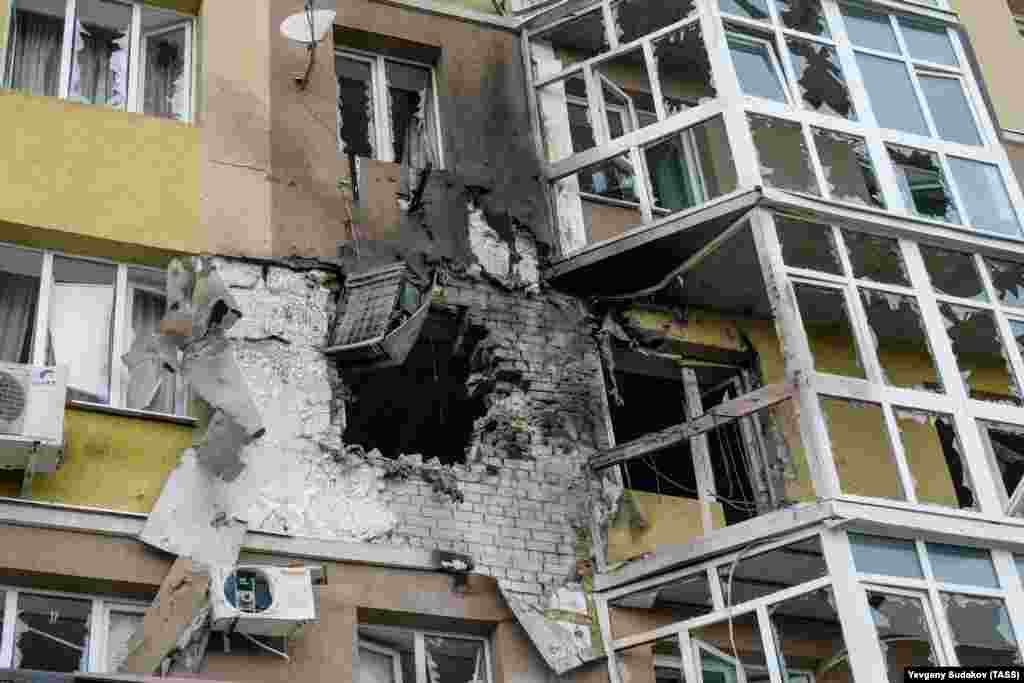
18, 295
100, 72
165, 75
147, 311
35, 61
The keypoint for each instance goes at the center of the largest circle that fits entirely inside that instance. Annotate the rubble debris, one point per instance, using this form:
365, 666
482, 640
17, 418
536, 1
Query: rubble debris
562, 633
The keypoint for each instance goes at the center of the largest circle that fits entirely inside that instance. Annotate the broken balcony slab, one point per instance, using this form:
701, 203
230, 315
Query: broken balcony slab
645, 257
195, 516
211, 370
565, 644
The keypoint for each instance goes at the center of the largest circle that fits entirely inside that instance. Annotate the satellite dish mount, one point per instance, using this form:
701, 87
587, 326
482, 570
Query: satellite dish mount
308, 28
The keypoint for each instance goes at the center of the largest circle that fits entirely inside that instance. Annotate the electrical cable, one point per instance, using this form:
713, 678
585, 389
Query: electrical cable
728, 604
740, 505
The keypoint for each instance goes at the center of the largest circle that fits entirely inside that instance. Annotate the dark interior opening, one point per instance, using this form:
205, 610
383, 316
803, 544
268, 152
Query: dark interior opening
421, 406
729, 461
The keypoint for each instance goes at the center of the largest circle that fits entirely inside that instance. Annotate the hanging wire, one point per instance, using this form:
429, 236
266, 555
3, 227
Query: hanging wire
738, 504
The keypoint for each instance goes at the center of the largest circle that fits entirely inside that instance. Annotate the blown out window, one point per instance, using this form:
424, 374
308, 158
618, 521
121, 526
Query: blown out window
123, 55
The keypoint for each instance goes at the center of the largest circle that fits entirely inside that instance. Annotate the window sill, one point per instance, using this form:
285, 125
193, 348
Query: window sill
130, 412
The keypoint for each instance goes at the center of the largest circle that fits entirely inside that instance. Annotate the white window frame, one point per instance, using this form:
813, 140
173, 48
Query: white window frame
96, 649
383, 142
122, 300
419, 650
134, 101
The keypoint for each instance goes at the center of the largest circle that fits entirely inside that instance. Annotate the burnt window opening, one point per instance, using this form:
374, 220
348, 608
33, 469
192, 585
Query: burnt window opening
423, 405
1008, 449
654, 398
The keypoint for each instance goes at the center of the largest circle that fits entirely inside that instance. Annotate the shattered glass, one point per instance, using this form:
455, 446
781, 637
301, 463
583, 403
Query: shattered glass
900, 340
410, 88
782, 154
684, 70
808, 245
877, 259
691, 167
100, 55
759, 575
52, 633
626, 88
935, 458
566, 120
861, 449
120, 629
568, 43
804, 15
636, 18
355, 106
962, 565
953, 273
820, 78
885, 556
923, 184
829, 333
662, 605
1008, 448
982, 634
848, 170
455, 659
903, 632
807, 636
748, 9
1008, 280
980, 354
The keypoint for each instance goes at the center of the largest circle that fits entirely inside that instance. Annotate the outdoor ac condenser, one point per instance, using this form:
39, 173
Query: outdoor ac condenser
262, 600
32, 416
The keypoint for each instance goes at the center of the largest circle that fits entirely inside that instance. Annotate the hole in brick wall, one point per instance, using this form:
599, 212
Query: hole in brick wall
423, 405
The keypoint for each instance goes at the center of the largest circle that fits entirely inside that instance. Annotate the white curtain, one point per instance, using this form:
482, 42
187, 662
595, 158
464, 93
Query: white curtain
17, 310
165, 71
148, 310
79, 336
419, 149
100, 71
35, 65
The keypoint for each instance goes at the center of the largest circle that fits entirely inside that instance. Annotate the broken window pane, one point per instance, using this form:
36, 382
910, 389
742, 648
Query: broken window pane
647, 610
153, 385
720, 661
935, 458
1008, 280
984, 194
892, 94
636, 18
626, 89
807, 245
166, 83
829, 334
965, 566
691, 167
900, 340
980, 354
1008, 449
849, 173
748, 9
874, 258
885, 556
808, 636
120, 629
568, 43
822, 84
566, 120
804, 15
760, 575
869, 29
861, 449
455, 659
927, 42
410, 89
684, 70
950, 110
20, 272
382, 650
99, 66
599, 202
782, 154
81, 326
355, 106
51, 633
903, 632
981, 629
953, 273
658, 661
757, 67
923, 184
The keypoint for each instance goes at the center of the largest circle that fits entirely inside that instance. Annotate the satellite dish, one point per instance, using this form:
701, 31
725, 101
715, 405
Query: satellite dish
296, 27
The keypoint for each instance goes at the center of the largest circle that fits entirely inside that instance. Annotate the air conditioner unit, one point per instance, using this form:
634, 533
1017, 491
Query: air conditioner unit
262, 600
32, 416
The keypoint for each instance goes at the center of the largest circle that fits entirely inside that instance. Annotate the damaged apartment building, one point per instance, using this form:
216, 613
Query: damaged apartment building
448, 341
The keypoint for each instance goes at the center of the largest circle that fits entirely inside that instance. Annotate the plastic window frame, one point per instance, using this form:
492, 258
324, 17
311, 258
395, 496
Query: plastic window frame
384, 149
929, 589
135, 101
967, 415
121, 320
98, 622
419, 648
